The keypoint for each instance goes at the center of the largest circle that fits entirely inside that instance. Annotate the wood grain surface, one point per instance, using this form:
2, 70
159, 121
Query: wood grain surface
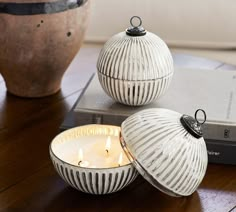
28, 181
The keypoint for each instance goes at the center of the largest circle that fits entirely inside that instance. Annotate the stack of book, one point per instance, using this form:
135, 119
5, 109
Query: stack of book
211, 90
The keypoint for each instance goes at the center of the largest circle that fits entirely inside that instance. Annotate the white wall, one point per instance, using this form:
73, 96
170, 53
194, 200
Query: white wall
191, 23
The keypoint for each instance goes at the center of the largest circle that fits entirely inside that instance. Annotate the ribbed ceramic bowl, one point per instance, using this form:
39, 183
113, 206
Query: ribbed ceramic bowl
89, 180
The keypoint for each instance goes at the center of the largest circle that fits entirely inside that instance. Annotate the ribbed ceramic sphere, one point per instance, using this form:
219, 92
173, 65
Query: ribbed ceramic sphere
167, 155
88, 179
135, 70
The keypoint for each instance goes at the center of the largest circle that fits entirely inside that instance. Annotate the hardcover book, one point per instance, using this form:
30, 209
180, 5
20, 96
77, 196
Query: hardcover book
211, 90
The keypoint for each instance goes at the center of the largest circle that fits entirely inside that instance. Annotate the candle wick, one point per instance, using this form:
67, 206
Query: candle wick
80, 162
107, 151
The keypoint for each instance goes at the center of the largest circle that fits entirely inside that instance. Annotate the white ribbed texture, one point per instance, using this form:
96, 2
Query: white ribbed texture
164, 152
90, 180
135, 70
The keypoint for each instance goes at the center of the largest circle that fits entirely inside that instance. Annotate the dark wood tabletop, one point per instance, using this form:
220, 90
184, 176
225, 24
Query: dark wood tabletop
28, 181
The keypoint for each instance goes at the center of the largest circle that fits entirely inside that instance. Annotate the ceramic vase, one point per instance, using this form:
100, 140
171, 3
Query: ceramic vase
38, 40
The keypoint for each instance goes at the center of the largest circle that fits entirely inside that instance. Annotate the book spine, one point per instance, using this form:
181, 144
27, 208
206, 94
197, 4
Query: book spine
221, 152
219, 131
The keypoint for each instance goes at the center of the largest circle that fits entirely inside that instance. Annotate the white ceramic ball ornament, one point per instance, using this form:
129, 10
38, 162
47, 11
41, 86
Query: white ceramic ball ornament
135, 67
167, 148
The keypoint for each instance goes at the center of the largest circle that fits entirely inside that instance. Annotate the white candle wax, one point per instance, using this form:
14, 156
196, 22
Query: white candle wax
95, 150
83, 160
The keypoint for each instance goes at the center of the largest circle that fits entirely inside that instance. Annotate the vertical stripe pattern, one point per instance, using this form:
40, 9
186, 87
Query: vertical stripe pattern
90, 180
170, 158
135, 70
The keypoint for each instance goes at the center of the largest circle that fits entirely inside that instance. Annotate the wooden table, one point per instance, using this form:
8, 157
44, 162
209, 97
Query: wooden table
28, 181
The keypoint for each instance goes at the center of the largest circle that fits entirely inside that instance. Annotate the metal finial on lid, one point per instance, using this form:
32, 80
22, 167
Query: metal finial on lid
192, 125
136, 30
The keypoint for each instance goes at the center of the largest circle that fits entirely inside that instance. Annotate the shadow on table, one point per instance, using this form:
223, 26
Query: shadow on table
139, 196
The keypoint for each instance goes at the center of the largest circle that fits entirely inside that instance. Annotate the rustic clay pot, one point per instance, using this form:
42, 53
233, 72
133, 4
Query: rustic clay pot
38, 41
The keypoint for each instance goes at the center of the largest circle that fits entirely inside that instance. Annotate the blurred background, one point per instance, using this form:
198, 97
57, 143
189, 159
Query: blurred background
203, 28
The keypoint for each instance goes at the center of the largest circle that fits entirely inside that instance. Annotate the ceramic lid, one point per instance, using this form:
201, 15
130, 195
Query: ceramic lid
135, 55
164, 151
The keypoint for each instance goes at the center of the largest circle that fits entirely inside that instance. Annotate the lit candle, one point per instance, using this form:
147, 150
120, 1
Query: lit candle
108, 144
120, 159
104, 155
81, 162
97, 148
88, 157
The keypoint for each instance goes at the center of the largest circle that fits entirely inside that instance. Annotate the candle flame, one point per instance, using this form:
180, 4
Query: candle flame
81, 161
120, 159
108, 144
80, 156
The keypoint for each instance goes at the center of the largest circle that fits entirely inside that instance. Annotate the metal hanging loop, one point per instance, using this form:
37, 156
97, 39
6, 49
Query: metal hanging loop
137, 17
136, 29
204, 115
